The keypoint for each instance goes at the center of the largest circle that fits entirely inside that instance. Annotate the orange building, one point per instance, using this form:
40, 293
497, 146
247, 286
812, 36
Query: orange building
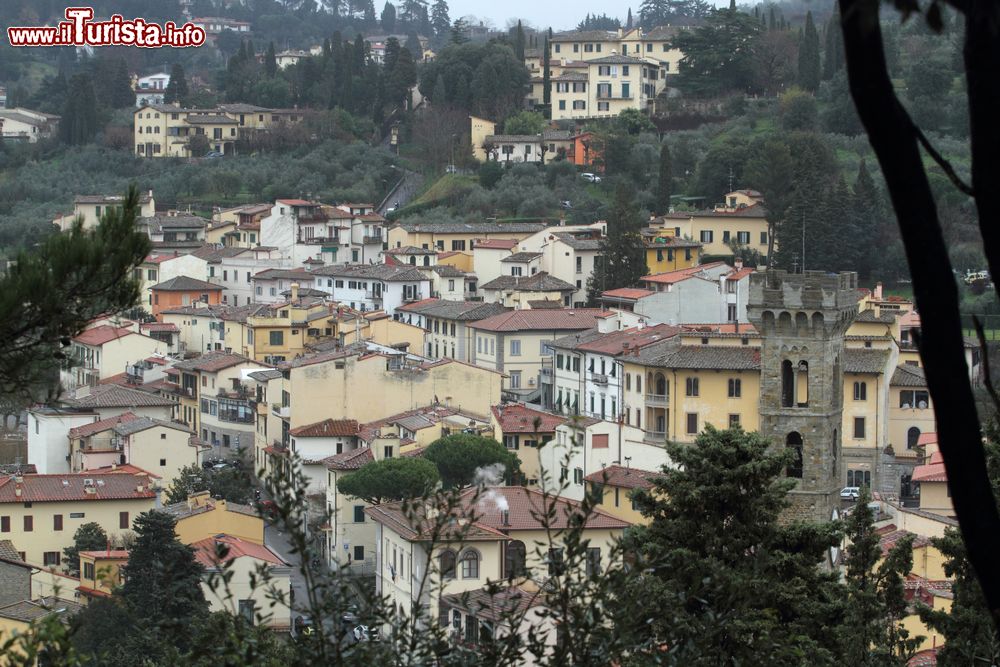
584, 150
183, 291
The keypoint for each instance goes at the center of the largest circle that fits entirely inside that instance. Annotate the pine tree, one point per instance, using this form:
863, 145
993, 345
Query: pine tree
771, 22
519, 42
79, 117
389, 17
734, 584
177, 89
875, 603
413, 45
833, 52
622, 260
440, 20
439, 96
163, 580
271, 60
458, 30
664, 181
88, 537
369, 13
809, 65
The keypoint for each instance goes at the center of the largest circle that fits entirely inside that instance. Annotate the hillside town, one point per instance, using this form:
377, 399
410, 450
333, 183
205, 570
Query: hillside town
480, 350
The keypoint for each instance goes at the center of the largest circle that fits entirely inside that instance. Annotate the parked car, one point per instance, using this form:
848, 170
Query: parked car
451, 169
566, 204
850, 493
213, 154
590, 178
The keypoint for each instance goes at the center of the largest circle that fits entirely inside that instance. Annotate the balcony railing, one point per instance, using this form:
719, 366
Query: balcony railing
656, 399
599, 378
546, 372
372, 239
415, 296
656, 437
279, 410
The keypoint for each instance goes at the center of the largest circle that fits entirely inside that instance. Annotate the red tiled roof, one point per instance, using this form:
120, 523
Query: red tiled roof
541, 320
327, 428
495, 244
925, 658
518, 418
88, 430
627, 293
297, 202
671, 277
928, 438
447, 254
626, 478
352, 460
890, 535
617, 342
740, 274
123, 469
932, 471
742, 328
102, 334
71, 487
212, 362
160, 326
205, 551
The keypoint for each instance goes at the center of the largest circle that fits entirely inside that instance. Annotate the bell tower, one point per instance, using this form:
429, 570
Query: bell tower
802, 318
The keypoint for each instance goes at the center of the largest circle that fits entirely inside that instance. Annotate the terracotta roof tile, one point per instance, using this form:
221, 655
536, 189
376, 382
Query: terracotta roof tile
212, 362
518, 418
908, 375
327, 428
567, 319
102, 334
626, 293
352, 460
117, 396
71, 487
185, 284
625, 478
88, 430
205, 551
539, 282
495, 244
672, 277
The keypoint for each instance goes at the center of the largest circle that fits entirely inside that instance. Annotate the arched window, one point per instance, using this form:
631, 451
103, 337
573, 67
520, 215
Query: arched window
447, 564
515, 559
912, 437
794, 443
470, 564
661, 385
787, 384
802, 384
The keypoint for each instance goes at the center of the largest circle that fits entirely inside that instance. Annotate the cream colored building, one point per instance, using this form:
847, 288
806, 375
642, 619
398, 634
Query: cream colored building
92, 207
201, 516
741, 219
447, 236
479, 129
505, 541
445, 325
40, 513
106, 350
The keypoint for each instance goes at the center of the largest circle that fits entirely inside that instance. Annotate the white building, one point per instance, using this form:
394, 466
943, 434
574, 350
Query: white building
19, 124
305, 230
151, 89
372, 286
48, 429
269, 285
568, 253
234, 270
92, 207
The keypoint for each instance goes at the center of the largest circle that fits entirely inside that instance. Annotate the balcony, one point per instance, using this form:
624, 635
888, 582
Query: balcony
656, 399
367, 240
654, 437
279, 410
410, 298
599, 378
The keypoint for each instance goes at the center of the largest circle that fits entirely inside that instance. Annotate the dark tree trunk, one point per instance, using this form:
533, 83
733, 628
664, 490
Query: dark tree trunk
894, 139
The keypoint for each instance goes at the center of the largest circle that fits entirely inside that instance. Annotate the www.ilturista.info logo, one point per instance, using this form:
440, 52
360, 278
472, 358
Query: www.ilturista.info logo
80, 30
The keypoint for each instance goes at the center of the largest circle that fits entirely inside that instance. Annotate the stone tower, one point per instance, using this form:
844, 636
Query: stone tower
802, 318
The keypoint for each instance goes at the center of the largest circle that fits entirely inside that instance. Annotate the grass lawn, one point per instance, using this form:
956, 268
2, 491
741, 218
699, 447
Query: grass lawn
449, 185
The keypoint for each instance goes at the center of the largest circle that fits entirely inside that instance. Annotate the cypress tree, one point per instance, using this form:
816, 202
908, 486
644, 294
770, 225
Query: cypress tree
628, 20
833, 53
79, 117
439, 95
519, 42
809, 65
547, 77
389, 17
271, 60
120, 94
664, 181
177, 89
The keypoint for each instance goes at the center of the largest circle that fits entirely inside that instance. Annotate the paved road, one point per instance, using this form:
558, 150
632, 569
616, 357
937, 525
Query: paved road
405, 191
278, 541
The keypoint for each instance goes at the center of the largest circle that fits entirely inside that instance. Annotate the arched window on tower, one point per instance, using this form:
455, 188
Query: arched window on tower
912, 437
802, 384
794, 442
787, 384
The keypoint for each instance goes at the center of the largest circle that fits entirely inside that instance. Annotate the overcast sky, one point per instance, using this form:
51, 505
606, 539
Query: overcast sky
560, 14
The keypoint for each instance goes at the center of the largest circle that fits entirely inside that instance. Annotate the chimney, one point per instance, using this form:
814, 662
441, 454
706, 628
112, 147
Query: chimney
505, 516
878, 292
295, 292
738, 264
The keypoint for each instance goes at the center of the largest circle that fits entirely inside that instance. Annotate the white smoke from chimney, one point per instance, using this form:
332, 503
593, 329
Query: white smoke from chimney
488, 477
